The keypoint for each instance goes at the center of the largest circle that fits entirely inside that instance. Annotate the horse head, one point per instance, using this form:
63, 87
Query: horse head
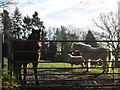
76, 47
35, 35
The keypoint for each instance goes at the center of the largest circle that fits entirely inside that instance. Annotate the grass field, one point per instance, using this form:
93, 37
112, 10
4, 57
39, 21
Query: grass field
60, 68
52, 73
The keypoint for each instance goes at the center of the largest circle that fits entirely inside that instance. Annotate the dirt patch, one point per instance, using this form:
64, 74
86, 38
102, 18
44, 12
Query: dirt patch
75, 81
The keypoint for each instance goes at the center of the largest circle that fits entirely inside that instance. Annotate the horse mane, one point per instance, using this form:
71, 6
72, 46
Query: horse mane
83, 44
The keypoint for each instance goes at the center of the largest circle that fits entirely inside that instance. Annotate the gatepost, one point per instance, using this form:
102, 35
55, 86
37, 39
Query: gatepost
118, 28
0, 59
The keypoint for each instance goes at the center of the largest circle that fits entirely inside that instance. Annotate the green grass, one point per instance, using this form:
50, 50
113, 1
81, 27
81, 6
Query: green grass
5, 61
67, 65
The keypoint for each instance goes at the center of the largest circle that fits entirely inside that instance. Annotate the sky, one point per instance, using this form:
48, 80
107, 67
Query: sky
55, 13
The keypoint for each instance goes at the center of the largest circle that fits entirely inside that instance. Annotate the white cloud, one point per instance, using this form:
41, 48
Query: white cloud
57, 5
81, 18
84, 20
50, 6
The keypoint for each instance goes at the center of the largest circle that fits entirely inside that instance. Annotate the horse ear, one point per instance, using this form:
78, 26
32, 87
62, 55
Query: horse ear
33, 30
39, 30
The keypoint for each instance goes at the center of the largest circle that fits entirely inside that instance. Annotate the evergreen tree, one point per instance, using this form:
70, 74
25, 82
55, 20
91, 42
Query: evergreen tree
56, 35
61, 34
37, 23
17, 21
6, 20
27, 26
90, 39
34, 22
52, 49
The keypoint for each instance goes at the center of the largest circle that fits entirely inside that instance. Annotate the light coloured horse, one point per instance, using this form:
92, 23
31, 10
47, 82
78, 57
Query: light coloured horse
76, 60
94, 53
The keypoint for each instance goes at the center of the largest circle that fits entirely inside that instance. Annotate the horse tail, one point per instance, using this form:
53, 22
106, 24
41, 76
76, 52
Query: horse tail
110, 58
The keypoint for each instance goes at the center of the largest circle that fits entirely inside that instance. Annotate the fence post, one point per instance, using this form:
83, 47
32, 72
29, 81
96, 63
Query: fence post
118, 35
119, 30
9, 56
0, 59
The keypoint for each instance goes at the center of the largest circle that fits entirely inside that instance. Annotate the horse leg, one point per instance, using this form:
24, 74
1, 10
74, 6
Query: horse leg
25, 72
82, 65
71, 65
88, 65
17, 71
105, 67
108, 66
19, 77
35, 72
107, 63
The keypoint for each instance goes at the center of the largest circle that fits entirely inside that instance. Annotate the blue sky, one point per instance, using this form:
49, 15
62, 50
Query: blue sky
55, 13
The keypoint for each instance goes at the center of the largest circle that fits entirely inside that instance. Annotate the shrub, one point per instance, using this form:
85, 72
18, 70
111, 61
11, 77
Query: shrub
8, 82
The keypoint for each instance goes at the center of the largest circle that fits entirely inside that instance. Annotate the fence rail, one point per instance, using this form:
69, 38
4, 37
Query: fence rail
67, 41
66, 76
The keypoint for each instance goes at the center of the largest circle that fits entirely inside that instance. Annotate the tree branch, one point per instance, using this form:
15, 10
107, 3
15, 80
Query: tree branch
6, 4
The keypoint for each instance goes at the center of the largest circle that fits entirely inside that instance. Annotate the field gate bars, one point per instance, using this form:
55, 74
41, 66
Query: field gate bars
57, 73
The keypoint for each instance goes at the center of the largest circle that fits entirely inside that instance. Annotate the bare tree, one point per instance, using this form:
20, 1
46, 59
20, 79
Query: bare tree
109, 23
7, 3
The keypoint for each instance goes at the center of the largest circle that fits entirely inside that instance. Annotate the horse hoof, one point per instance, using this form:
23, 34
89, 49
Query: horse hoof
24, 83
37, 83
87, 70
105, 72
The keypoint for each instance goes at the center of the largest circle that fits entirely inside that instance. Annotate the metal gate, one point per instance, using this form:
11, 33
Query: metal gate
59, 74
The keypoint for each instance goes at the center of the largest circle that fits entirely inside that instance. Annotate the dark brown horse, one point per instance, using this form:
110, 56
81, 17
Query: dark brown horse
26, 51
